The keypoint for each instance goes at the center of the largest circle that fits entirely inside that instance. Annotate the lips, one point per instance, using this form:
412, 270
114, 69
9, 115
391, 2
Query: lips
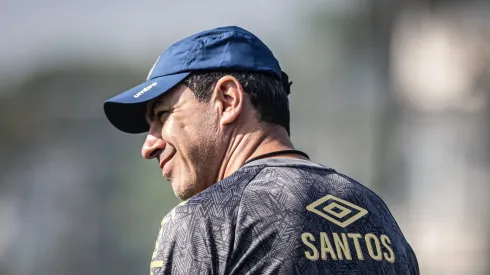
165, 157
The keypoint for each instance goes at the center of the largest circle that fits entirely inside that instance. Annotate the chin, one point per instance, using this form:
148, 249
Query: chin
183, 195
186, 187
181, 191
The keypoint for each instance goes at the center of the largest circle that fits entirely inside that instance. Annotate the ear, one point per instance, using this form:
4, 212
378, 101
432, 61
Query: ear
228, 97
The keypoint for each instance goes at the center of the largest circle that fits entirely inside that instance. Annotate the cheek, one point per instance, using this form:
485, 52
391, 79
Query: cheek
200, 124
183, 133
193, 134
204, 129
172, 130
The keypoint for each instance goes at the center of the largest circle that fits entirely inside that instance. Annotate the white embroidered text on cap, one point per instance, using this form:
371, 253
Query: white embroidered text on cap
145, 89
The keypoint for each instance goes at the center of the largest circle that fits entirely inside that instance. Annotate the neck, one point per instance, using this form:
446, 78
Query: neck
245, 146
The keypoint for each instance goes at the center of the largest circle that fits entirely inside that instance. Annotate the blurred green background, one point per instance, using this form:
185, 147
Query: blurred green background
392, 93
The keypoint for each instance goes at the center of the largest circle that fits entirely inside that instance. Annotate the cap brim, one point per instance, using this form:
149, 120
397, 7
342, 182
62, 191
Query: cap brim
126, 111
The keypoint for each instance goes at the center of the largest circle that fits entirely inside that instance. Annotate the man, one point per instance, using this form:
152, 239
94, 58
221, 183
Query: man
215, 107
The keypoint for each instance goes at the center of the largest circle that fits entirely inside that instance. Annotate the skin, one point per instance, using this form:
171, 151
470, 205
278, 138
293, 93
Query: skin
198, 143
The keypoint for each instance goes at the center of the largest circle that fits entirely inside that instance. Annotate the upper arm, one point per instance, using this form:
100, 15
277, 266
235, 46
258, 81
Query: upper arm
193, 239
180, 247
269, 225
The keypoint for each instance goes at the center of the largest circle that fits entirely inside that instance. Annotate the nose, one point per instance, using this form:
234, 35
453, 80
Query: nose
152, 146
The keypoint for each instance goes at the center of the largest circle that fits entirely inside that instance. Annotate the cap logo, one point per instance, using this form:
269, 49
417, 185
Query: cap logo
153, 67
145, 89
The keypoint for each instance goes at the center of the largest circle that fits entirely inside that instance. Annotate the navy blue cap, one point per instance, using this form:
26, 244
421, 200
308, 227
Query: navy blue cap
226, 48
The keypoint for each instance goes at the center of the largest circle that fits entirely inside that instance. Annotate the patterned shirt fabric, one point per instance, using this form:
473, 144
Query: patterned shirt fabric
283, 216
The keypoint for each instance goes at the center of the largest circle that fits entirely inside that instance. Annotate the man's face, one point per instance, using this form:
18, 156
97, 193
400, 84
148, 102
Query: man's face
184, 138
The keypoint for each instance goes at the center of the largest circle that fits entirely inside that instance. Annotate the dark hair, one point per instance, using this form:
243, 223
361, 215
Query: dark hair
268, 94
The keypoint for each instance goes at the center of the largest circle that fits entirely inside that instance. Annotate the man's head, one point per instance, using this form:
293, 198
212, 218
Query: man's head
193, 126
204, 94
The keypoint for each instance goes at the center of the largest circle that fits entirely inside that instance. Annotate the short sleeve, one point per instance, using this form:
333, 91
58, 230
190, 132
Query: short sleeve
180, 246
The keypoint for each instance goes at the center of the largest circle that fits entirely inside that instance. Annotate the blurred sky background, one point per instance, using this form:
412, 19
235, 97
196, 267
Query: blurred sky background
394, 94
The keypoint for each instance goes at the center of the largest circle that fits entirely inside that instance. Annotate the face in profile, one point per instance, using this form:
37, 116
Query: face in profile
183, 138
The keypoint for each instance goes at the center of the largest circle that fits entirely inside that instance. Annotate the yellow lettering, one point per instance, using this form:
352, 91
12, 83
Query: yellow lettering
378, 247
355, 237
156, 264
342, 246
314, 255
326, 246
376, 255
390, 256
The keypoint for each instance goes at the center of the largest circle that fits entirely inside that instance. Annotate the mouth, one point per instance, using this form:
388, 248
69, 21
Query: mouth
165, 160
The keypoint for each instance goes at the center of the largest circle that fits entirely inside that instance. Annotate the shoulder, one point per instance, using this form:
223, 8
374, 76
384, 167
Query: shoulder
212, 205
325, 210
206, 221
318, 199
306, 181
298, 182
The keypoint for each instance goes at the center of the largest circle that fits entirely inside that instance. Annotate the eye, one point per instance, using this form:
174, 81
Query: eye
160, 114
